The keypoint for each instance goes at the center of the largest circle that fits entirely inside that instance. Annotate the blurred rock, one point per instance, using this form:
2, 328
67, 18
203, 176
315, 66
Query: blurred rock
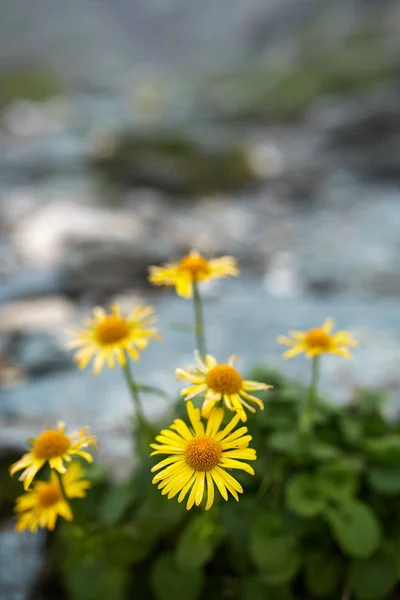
41, 237
20, 560
38, 353
38, 313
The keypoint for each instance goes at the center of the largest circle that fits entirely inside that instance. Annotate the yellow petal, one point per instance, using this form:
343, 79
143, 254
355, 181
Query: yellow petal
210, 491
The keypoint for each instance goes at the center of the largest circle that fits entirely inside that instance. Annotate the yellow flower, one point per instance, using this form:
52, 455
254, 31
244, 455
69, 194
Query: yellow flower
192, 268
55, 447
318, 340
201, 456
219, 382
41, 506
111, 336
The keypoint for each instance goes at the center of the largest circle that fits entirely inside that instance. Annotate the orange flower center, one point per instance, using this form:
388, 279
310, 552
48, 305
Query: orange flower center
48, 494
224, 380
196, 265
111, 330
51, 444
203, 453
317, 338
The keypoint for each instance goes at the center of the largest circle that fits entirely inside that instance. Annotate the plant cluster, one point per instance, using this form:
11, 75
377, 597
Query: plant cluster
318, 509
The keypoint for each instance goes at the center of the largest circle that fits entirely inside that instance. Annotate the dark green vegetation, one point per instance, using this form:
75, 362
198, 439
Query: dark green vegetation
320, 518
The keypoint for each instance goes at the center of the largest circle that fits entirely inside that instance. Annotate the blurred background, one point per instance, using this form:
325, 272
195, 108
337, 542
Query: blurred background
134, 130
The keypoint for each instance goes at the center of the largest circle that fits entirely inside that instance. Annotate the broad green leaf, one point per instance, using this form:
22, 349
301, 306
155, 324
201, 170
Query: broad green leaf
284, 574
352, 429
116, 501
236, 517
385, 478
373, 578
383, 449
321, 451
274, 548
285, 441
254, 589
126, 546
339, 478
323, 573
355, 528
96, 580
169, 583
303, 495
198, 542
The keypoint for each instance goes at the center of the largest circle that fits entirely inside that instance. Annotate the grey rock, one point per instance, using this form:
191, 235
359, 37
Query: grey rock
20, 561
38, 353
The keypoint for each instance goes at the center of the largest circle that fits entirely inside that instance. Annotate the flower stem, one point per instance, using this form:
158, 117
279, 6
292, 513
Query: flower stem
135, 396
307, 418
62, 488
199, 321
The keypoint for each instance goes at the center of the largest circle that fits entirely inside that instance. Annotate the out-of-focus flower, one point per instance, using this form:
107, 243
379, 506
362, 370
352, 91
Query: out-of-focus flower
41, 506
201, 457
318, 340
109, 337
55, 447
192, 268
219, 382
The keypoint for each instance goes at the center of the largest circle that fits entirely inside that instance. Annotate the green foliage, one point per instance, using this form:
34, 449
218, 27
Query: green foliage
31, 84
320, 519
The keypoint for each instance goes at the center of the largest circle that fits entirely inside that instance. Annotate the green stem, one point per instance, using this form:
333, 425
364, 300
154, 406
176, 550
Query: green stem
135, 395
199, 321
308, 417
62, 488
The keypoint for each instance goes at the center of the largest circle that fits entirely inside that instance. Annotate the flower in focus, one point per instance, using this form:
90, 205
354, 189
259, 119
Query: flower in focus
219, 382
110, 336
318, 340
55, 447
192, 268
201, 456
41, 506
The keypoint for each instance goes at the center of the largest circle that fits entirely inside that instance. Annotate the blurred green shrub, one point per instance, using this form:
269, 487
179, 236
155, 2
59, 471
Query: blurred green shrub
176, 162
321, 518
32, 84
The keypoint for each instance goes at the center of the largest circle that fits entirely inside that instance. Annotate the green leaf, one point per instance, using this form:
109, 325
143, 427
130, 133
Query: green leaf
274, 549
126, 546
237, 517
352, 429
323, 573
321, 451
385, 479
96, 580
374, 578
355, 528
339, 478
117, 500
285, 441
254, 589
303, 495
170, 583
383, 449
198, 542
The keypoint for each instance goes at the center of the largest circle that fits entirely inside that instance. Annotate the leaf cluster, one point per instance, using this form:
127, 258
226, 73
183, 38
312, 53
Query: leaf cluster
319, 520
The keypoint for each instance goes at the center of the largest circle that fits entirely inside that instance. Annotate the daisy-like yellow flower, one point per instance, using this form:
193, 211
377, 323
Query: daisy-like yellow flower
217, 382
318, 340
41, 506
201, 456
190, 269
55, 447
111, 336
